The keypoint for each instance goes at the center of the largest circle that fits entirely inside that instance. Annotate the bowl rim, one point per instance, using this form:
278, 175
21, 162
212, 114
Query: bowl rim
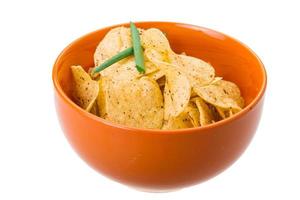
245, 110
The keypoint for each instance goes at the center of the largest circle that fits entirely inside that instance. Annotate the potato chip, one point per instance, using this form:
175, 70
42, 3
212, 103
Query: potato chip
101, 100
193, 94
177, 88
110, 45
198, 71
223, 94
221, 112
94, 109
115, 40
177, 91
155, 39
161, 81
157, 74
194, 114
133, 102
178, 122
230, 113
214, 112
127, 69
85, 89
125, 36
216, 79
153, 55
187, 119
225, 113
206, 116
150, 68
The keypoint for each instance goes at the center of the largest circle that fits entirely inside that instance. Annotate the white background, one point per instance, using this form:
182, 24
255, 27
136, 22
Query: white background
36, 162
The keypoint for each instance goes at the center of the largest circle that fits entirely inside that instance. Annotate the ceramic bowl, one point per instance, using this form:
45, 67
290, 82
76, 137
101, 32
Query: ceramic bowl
159, 160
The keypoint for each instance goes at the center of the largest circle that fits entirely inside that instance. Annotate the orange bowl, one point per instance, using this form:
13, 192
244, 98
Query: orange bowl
156, 159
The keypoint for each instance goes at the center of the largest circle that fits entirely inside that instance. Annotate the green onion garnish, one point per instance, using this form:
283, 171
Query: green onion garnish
121, 55
137, 48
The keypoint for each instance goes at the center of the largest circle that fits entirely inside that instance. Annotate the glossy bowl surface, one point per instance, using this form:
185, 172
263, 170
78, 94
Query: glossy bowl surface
164, 160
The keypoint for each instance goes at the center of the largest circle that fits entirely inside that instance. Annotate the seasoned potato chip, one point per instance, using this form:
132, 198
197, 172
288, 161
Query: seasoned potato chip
153, 38
178, 122
221, 112
206, 116
110, 45
157, 48
177, 91
193, 94
216, 79
223, 94
187, 119
150, 68
153, 56
94, 109
194, 114
225, 113
198, 71
156, 74
134, 102
115, 40
214, 112
101, 100
127, 69
125, 36
156, 40
161, 81
85, 89
230, 113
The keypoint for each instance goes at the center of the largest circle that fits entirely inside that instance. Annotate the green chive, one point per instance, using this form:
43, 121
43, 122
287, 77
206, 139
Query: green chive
137, 48
121, 55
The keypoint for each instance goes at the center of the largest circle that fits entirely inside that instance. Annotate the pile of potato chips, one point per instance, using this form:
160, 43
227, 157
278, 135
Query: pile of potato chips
176, 91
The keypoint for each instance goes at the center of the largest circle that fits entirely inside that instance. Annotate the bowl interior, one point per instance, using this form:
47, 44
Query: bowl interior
231, 59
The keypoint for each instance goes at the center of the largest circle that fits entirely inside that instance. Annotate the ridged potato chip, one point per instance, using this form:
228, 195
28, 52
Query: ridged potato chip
85, 90
223, 94
133, 102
